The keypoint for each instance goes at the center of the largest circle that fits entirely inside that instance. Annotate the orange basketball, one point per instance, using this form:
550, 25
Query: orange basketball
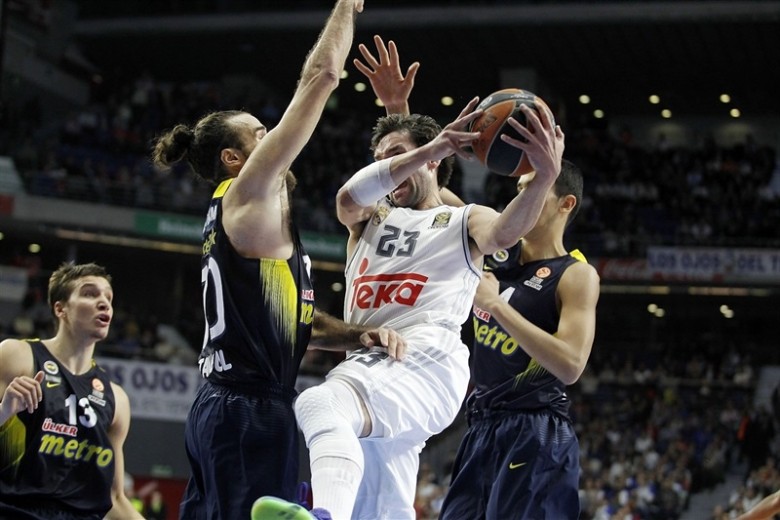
495, 154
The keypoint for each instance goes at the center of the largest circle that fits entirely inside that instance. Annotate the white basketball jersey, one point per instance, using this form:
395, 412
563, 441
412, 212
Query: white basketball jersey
412, 267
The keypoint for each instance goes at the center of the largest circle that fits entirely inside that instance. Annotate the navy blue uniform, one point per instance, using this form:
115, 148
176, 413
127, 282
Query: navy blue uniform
241, 436
57, 463
520, 456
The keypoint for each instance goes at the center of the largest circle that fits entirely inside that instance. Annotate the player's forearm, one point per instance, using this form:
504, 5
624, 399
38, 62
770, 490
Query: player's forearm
330, 52
558, 357
331, 333
521, 214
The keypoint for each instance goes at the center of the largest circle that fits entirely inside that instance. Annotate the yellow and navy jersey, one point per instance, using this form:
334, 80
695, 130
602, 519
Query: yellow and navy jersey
504, 376
259, 312
60, 455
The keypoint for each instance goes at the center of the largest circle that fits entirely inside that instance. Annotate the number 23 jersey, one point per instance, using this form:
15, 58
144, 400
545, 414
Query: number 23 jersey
412, 267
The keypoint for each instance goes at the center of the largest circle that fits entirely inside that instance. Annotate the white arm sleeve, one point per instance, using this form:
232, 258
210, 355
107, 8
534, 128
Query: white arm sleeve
371, 183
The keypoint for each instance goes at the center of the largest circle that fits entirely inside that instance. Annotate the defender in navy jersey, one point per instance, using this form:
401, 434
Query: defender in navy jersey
62, 421
241, 437
534, 323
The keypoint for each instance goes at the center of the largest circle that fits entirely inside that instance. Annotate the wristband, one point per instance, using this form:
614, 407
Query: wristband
371, 183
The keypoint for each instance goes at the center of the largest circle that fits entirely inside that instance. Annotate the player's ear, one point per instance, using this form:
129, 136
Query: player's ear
59, 309
233, 159
568, 203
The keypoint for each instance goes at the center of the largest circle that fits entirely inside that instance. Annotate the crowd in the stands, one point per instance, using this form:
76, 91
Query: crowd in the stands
702, 194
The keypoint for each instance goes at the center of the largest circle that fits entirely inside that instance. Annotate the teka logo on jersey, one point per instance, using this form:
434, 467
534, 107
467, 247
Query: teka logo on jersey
375, 290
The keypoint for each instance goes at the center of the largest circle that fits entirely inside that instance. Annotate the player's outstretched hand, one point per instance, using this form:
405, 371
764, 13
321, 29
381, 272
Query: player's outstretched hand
389, 83
388, 338
455, 137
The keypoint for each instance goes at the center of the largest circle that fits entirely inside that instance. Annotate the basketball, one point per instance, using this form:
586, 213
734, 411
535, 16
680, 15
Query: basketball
498, 156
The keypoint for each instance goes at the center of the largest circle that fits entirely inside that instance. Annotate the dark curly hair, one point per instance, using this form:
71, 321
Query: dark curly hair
421, 129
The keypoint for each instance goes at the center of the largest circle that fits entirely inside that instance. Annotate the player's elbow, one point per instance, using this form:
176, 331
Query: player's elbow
344, 201
324, 77
348, 211
571, 372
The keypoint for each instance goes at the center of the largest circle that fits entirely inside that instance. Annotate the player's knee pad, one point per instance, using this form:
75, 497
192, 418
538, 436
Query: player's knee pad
328, 408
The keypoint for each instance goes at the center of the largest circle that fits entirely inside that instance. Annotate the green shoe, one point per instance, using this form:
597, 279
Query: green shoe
272, 508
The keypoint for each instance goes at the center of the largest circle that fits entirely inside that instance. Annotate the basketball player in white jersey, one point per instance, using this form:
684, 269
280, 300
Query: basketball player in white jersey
413, 265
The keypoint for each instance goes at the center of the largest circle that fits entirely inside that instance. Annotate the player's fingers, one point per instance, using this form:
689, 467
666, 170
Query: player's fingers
470, 106
521, 129
411, 72
513, 142
367, 340
381, 49
393, 52
396, 345
544, 115
370, 59
38, 379
532, 118
23, 390
400, 349
362, 68
464, 118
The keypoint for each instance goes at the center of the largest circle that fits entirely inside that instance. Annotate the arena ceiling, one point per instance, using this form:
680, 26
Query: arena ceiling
618, 53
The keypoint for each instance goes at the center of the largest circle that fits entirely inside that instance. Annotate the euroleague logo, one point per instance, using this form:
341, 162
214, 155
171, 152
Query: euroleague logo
543, 272
536, 281
371, 291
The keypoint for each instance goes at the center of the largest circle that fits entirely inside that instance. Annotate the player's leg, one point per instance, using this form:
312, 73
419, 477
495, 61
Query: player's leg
389, 480
246, 447
473, 474
332, 416
538, 477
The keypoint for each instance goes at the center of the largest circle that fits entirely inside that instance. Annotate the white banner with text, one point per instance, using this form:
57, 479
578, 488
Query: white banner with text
156, 390
713, 264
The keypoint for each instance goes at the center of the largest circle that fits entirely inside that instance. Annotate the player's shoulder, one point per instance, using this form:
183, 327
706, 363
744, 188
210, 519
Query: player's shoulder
581, 273
13, 346
118, 390
16, 357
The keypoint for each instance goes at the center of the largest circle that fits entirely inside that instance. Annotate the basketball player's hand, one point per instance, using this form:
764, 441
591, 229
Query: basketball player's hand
388, 338
389, 84
359, 6
24, 393
545, 145
487, 291
454, 137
